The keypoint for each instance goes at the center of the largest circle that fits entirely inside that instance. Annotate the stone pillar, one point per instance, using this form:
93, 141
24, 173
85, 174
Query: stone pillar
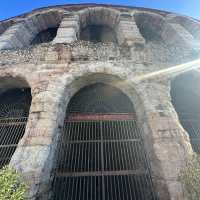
166, 142
34, 155
127, 31
68, 30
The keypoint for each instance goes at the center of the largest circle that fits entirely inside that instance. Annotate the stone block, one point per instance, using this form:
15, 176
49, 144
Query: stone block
70, 24
62, 32
64, 40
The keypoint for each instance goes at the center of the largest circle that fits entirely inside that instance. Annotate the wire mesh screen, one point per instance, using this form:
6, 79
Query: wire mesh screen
101, 154
14, 109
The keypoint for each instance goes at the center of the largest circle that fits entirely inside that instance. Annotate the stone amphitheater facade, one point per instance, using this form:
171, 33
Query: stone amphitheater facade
49, 51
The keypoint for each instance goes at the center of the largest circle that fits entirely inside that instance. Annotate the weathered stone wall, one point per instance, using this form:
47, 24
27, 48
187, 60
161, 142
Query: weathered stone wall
56, 70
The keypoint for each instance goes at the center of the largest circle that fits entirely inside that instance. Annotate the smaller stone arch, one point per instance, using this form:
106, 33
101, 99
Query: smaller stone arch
44, 26
15, 101
99, 24
156, 28
33, 29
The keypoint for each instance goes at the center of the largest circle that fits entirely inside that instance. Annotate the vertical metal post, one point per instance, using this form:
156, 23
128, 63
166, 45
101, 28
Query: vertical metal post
102, 161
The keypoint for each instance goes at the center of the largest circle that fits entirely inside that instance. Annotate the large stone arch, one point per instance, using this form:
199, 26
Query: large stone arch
115, 79
48, 114
80, 76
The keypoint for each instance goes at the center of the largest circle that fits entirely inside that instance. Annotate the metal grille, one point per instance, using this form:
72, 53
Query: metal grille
102, 158
14, 109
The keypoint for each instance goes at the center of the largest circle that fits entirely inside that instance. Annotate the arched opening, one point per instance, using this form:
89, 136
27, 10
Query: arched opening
14, 111
98, 33
100, 154
45, 36
99, 24
43, 27
186, 101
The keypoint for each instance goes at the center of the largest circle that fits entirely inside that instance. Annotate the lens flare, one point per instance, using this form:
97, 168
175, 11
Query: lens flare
169, 71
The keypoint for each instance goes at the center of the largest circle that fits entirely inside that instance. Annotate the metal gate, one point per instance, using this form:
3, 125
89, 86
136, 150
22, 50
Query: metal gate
14, 109
102, 157
101, 154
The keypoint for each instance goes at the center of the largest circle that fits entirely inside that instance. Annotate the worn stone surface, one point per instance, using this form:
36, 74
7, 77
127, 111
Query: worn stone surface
147, 41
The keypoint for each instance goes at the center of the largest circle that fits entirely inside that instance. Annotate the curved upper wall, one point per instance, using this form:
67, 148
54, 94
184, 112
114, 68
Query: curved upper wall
132, 26
78, 7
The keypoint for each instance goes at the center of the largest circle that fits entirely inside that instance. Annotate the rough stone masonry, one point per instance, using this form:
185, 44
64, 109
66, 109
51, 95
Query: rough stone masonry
145, 41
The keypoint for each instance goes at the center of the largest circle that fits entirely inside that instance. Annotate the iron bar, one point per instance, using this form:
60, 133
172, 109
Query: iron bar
14, 109
11, 131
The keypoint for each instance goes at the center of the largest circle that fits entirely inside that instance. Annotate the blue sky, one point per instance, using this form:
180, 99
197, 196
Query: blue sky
191, 8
